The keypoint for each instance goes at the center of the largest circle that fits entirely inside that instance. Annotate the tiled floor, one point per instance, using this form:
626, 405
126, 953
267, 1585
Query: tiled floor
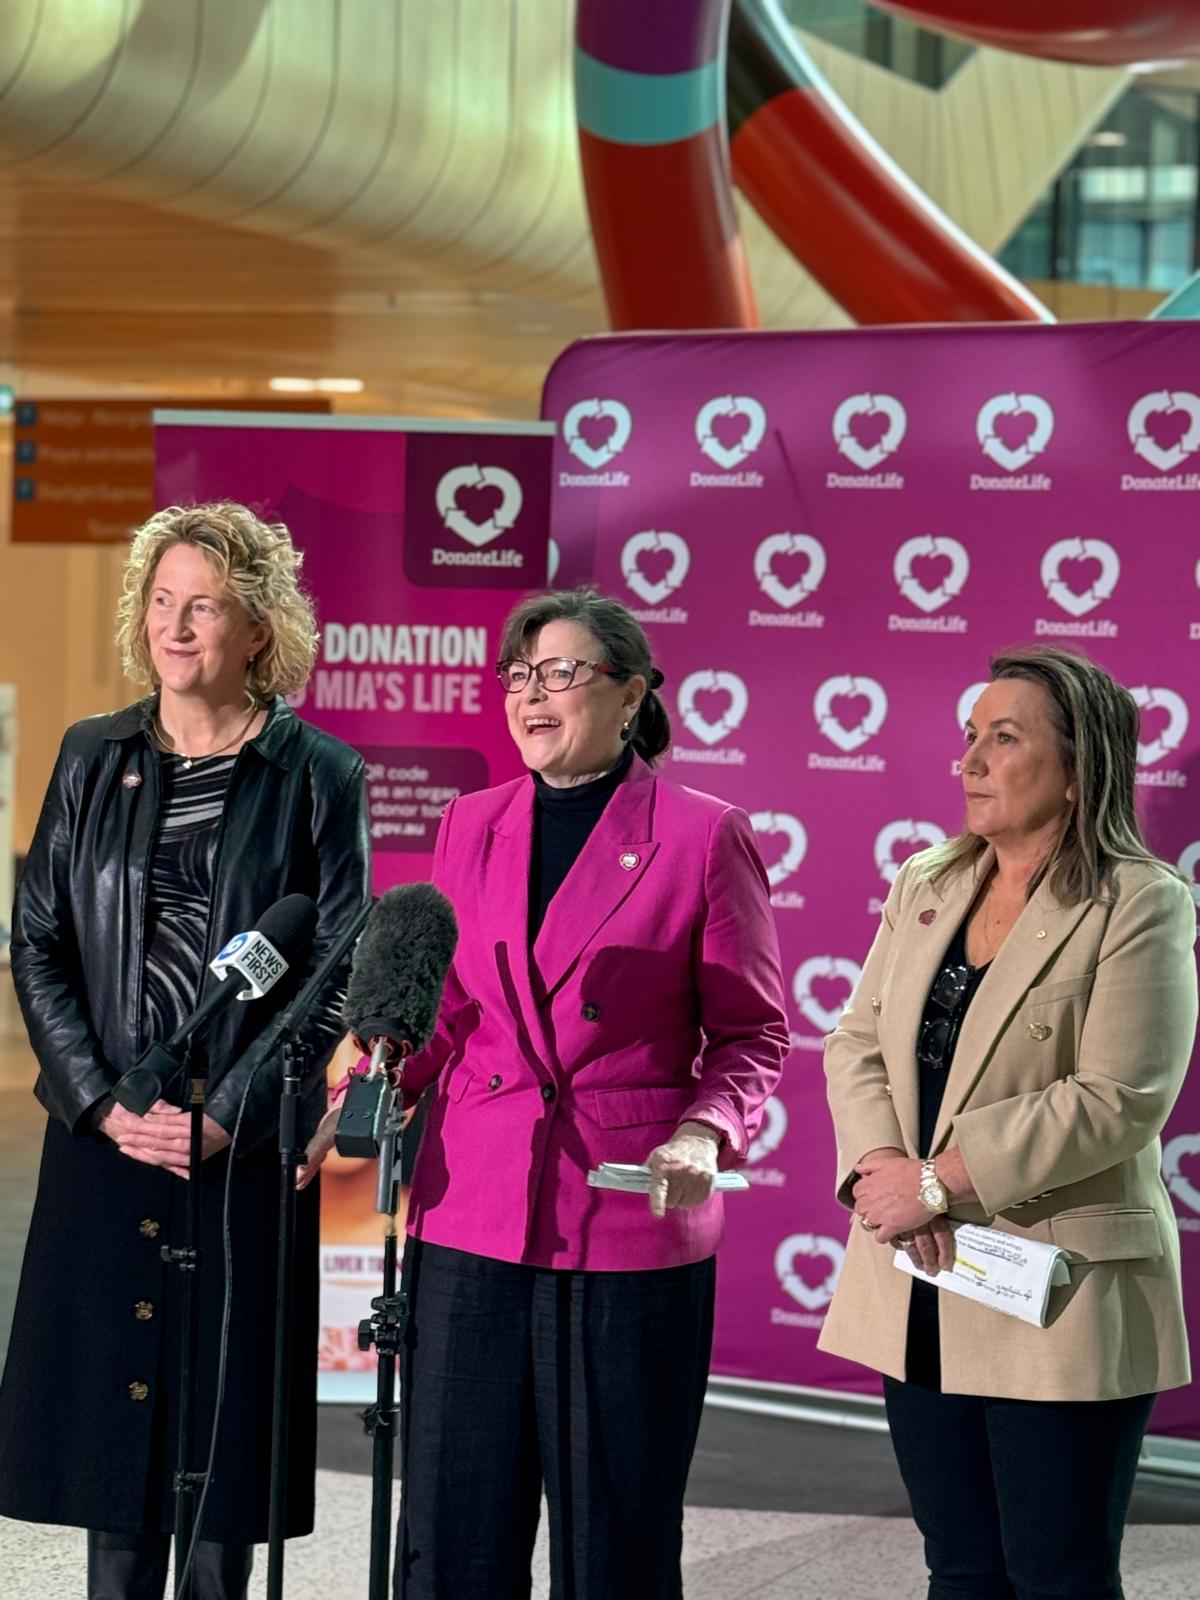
788, 1539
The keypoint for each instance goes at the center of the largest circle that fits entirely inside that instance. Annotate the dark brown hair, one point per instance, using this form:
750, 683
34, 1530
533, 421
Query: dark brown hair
1096, 723
621, 639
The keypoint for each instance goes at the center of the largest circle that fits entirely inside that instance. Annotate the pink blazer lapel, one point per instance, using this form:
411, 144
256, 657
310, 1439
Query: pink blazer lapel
607, 871
505, 904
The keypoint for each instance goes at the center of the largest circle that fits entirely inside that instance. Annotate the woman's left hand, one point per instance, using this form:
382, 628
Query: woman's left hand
886, 1195
683, 1169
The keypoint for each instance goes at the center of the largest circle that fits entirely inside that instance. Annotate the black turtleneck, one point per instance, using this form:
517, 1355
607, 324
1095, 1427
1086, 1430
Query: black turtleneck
563, 820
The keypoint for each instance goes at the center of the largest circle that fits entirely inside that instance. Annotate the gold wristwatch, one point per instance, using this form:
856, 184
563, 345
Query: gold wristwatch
931, 1190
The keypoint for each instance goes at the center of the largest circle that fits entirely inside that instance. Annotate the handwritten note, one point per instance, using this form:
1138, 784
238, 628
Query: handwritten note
999, 1270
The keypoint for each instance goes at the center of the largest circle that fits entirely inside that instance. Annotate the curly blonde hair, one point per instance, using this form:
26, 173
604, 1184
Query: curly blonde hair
255, 561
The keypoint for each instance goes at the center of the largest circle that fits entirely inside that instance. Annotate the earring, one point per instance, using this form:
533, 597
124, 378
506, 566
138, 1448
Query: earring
624, 733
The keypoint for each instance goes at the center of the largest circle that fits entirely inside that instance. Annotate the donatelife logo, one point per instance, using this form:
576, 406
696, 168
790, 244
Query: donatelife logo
1180, 1185
856, 419
469, 520
654, 591
812, 1297
607, 449
872, 697
1168, 739
494, 525
729, 452
770, 1136
712, 732
824, 1018
908, 831
1150, 424
769, 824
949, 585
1014, 409
787, 596
1093, 589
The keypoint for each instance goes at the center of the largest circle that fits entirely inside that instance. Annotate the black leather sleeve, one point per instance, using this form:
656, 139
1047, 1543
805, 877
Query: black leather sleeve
342, 839
46, 962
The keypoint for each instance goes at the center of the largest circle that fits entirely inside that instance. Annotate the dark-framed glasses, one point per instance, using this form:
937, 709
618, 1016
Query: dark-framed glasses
554, 674
938, 1035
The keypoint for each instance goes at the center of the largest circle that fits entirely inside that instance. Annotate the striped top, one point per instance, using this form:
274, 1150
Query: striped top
180, 888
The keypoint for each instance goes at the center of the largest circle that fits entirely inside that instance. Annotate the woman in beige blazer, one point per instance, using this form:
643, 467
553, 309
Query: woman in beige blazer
1017, 1040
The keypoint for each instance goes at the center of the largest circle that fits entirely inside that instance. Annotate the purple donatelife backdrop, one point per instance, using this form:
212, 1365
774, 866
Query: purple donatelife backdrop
826, 536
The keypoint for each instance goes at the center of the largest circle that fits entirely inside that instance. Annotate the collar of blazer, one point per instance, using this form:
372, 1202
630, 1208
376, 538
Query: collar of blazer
601, 878
1031, 946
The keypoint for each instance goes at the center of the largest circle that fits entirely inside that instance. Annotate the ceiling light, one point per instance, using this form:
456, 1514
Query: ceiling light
340, 385
1109, 139
292, 385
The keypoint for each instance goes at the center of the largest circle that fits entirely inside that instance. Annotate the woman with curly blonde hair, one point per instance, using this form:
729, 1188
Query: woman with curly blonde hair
168, 827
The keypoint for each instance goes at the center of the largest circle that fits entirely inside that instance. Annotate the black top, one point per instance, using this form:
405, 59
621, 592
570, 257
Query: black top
956, 982
563, 820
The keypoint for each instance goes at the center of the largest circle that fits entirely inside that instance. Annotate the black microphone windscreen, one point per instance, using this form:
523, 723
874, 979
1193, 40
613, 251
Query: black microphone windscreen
289, 925
401, 963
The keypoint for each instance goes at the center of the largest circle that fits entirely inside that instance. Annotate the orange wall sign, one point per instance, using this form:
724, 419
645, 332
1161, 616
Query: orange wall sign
83, 470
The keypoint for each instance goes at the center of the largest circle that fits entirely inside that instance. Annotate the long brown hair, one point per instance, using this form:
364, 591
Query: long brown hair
1096, 724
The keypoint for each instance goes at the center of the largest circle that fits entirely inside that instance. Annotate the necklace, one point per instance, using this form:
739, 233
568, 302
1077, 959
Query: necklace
167, 743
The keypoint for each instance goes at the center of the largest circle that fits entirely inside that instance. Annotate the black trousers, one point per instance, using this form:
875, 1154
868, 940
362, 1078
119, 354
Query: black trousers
1016, 1499
133, 1566
514, 1378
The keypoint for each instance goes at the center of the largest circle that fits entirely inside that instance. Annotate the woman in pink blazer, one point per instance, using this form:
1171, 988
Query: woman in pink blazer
616, 996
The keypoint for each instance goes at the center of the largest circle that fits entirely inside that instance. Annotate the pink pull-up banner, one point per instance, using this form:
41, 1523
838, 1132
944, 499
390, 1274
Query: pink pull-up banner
827, 536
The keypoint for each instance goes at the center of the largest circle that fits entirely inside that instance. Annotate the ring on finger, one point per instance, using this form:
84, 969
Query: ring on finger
904, 1240
870, 1226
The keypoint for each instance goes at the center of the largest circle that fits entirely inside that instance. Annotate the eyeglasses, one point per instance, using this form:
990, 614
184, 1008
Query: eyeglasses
554, 674
939, 1035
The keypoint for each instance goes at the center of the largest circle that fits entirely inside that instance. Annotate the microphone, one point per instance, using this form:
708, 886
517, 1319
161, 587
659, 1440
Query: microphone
392, 1001
258, 959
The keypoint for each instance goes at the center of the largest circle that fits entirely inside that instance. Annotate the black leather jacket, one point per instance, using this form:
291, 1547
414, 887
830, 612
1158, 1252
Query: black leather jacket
294, 823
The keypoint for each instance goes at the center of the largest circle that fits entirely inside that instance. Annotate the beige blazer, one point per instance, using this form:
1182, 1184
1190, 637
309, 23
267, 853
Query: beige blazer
1068, 1063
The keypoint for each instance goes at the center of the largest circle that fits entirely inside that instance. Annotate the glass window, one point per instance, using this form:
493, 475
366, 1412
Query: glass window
901, 47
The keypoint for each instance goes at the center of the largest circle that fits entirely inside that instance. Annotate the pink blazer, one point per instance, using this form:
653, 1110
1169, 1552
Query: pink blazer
652, 995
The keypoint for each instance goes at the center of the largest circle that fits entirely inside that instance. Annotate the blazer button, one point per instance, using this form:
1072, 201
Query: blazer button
143, 1310
495, 1081
548, 1092
148, 1228
887, 1089
590, 1013
139, 1391
1040, 1030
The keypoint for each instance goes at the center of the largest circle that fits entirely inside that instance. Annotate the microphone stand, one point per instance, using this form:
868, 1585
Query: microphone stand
384, 1329
284, 1035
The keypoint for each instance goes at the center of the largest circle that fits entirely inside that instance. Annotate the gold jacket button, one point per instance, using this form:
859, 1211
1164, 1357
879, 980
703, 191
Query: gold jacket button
148, 1228
1040, 1030
143, 1310
1040, 934
887, 1089
876, 1006
139, 1391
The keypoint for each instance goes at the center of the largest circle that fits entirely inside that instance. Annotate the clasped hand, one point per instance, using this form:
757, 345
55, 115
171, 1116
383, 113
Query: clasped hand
161, 1137
886, 1196
684, 1169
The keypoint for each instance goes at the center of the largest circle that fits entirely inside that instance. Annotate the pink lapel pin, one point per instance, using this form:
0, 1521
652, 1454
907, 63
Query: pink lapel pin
926, 917
132, 780
629, 860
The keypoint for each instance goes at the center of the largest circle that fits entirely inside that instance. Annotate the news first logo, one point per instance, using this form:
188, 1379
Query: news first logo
868, 430
1094, 584
1161, 736
822, 1010
478, 532
670, 560
727, 699
952, 567
794, 548
253, 958
1011, 414
770, 1136
807, 1267
729, 429
596, 431
1184, 1192
1164, 430
849, 710
771, 825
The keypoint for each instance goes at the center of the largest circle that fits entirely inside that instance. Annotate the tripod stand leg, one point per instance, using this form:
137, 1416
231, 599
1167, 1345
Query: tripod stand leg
383, 1455
188, 1260
289, 1157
